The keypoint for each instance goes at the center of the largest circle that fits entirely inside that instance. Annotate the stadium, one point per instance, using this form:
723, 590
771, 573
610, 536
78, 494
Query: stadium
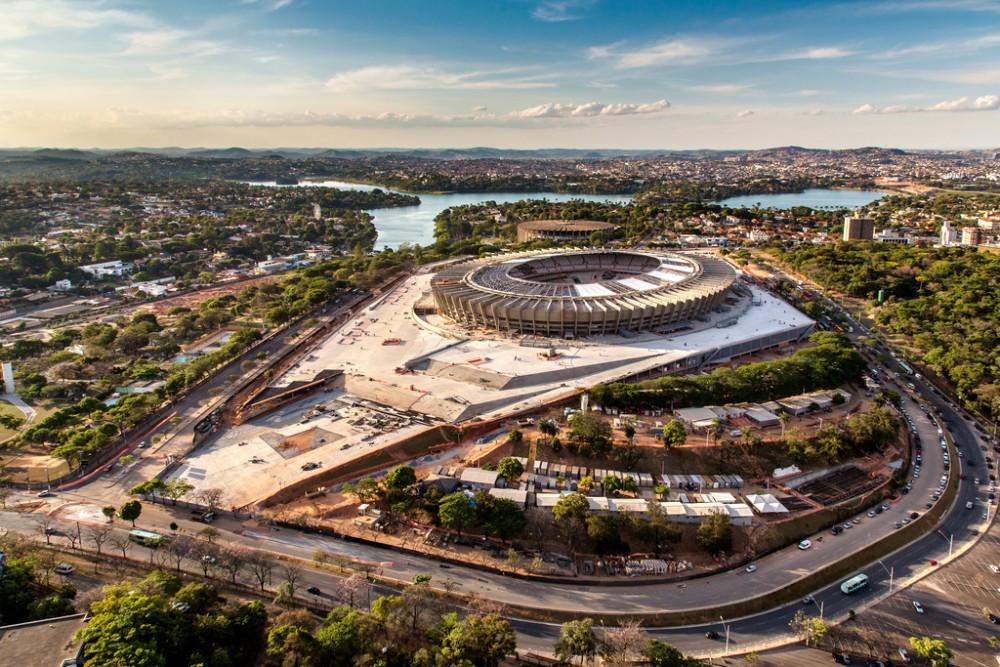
582, 293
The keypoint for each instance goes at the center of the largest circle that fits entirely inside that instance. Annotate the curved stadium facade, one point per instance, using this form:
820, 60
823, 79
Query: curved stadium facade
574, 294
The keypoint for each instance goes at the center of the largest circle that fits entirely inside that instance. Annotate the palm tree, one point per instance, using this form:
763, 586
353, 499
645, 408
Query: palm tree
783, 420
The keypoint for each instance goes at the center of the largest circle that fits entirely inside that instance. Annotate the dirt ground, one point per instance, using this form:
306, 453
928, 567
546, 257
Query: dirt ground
192, 300
35, 469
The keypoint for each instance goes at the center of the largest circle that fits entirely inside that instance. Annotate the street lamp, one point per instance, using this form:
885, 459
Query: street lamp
726, 627
891, 572
951, 541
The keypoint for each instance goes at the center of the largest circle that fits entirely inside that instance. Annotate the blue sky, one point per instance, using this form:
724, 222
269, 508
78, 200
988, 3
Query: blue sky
645, 74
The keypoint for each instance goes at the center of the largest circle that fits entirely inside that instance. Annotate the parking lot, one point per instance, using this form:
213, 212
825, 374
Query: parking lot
955, 602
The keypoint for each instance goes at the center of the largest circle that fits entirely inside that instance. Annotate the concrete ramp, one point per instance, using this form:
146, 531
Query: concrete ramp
382, 392
478, 409
563, 374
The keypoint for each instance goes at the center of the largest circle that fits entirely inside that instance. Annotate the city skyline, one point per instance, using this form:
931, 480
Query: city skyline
515, 74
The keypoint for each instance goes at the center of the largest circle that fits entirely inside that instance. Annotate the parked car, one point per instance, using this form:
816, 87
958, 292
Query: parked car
751, 568
904, 654
805, 544
44, 493
711, 634
314, 590
63, 568
919, 607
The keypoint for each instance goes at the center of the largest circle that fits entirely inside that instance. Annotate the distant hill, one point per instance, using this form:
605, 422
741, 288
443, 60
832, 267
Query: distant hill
224, 153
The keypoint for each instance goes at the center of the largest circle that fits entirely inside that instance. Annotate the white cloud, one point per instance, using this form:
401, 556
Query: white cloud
479, 108
405, 77
269, 5
555, 11
815, 111
744, 113
170, 42
682, 51
560, 110
25, 18
982, 103
723, 89
816, 53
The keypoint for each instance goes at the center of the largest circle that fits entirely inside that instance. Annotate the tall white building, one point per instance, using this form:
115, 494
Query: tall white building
949, 235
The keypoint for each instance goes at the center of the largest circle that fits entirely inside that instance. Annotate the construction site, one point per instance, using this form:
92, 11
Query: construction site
399, 367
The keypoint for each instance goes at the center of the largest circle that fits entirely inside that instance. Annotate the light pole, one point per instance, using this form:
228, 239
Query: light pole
951, 541
891, 571
726, 627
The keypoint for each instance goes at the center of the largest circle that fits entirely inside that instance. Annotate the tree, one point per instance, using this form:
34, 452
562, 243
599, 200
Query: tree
177, 488
480, 641
810, 629
629, 455
456, 511
365, 490
752, 659
715, 430
547, 427
291, 574
572, 506
935, 650
591, 433
662, 654
211, 497
605, 533
148, 488
261, 567
232, 561
99, 535
143, 619
130, 511
109, 512
510, 469
576, 640
622, 645
500, 517
783, 418
674, 434
123, 543
515, 437
209, 534
715, 534
401, 477
611, 485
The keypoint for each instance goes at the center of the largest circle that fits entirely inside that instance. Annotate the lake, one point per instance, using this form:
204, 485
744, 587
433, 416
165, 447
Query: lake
415, 224
813, 198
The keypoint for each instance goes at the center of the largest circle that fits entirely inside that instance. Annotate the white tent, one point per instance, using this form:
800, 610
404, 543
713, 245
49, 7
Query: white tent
765, 503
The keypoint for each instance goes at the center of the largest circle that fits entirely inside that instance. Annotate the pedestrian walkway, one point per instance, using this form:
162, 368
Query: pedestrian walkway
16, 401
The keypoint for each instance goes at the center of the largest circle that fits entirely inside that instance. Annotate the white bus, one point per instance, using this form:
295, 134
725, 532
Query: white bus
854, 584
145, 538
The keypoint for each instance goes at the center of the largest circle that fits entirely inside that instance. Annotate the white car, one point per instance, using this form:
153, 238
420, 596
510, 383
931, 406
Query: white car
805, 544
751, 568
918, 607
994, 569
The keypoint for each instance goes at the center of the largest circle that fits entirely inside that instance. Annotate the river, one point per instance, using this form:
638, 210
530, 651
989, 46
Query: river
415, 224
813, 198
